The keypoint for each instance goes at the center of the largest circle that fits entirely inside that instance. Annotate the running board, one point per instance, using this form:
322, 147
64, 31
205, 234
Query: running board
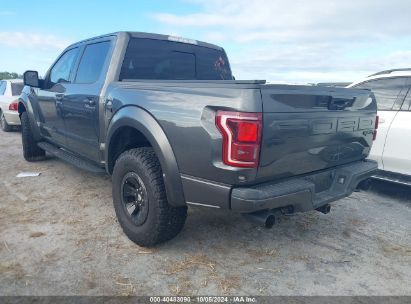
393, 177
70, 158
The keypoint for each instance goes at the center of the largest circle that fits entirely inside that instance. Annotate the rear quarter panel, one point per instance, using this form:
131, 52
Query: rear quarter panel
186, 113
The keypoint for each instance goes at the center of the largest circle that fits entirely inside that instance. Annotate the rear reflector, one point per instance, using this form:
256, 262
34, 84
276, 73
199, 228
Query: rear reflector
247, 131
14, 106
241, 137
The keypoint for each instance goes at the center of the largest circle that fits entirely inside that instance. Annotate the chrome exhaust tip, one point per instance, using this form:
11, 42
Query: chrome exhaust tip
262, 218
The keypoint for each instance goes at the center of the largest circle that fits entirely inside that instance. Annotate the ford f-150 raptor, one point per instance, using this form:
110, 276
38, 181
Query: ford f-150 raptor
164, 116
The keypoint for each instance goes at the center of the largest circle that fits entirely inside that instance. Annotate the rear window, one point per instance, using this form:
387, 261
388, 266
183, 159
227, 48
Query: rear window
386, 91
168, 60
16, 88
2, 87
407, 103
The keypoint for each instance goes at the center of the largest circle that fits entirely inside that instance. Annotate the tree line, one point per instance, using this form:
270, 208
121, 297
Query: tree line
9, 75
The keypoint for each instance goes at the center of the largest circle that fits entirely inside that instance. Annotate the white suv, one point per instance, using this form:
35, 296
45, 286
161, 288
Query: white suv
10, 91
392, 147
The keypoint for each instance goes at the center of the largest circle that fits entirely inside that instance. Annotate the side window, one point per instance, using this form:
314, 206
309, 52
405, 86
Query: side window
16, 88
60, 73
92, 62
2, 87
386, 92
407, 103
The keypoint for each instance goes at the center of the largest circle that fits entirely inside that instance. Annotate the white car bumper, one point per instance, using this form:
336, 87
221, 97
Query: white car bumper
12, 118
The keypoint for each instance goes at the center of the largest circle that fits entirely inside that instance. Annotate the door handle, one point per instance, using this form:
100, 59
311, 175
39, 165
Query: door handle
109, 104
89, 103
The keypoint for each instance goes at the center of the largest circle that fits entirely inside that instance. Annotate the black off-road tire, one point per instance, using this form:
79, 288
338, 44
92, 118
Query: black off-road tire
31, 151
3, 122
162, 222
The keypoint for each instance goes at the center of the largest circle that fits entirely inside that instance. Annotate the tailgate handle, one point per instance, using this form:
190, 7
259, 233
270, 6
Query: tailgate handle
340, 103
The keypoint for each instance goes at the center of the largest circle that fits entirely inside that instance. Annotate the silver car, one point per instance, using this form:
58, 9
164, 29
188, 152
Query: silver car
10, 91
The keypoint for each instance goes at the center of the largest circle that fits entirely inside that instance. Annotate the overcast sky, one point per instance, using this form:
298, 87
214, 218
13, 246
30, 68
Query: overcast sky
277, 40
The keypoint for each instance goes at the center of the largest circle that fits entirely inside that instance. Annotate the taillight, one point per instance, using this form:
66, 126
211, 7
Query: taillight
241, 137
377, 121
14, 106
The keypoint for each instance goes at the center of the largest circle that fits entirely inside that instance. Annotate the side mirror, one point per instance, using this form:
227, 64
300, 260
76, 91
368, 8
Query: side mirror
31, 78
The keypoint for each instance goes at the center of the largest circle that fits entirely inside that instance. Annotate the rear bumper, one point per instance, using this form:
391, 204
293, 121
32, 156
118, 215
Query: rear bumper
304, 193
12, 118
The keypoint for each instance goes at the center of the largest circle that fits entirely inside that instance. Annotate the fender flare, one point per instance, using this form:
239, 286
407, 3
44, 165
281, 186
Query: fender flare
26, 106
142, 121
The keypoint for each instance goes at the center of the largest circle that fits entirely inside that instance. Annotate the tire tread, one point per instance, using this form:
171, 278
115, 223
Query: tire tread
170, 220
31, 151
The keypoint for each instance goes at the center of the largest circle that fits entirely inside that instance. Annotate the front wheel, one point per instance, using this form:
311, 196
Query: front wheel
31, 151
140, 199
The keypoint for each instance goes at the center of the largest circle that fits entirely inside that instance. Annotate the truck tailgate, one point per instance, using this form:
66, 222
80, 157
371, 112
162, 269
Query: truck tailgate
310, 128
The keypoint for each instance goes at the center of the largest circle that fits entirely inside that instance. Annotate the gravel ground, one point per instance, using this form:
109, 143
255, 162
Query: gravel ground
59, 236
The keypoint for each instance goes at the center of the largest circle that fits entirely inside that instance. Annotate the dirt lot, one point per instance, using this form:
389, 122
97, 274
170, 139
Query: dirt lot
59, 236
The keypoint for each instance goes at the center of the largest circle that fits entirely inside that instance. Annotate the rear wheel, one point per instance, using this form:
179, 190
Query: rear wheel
31, 151
3, 122
140, 200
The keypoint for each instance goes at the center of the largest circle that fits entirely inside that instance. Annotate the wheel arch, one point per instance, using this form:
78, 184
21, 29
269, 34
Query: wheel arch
133, 127
25, 106
21, 107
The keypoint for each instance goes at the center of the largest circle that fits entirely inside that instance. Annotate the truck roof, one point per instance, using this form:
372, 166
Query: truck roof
154, 36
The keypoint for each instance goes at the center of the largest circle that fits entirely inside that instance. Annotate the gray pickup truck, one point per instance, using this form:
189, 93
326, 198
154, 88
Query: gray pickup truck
166, 119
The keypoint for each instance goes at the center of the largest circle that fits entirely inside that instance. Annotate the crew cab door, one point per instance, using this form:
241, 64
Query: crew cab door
82, 98
50, 97
397, 156
389, 94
